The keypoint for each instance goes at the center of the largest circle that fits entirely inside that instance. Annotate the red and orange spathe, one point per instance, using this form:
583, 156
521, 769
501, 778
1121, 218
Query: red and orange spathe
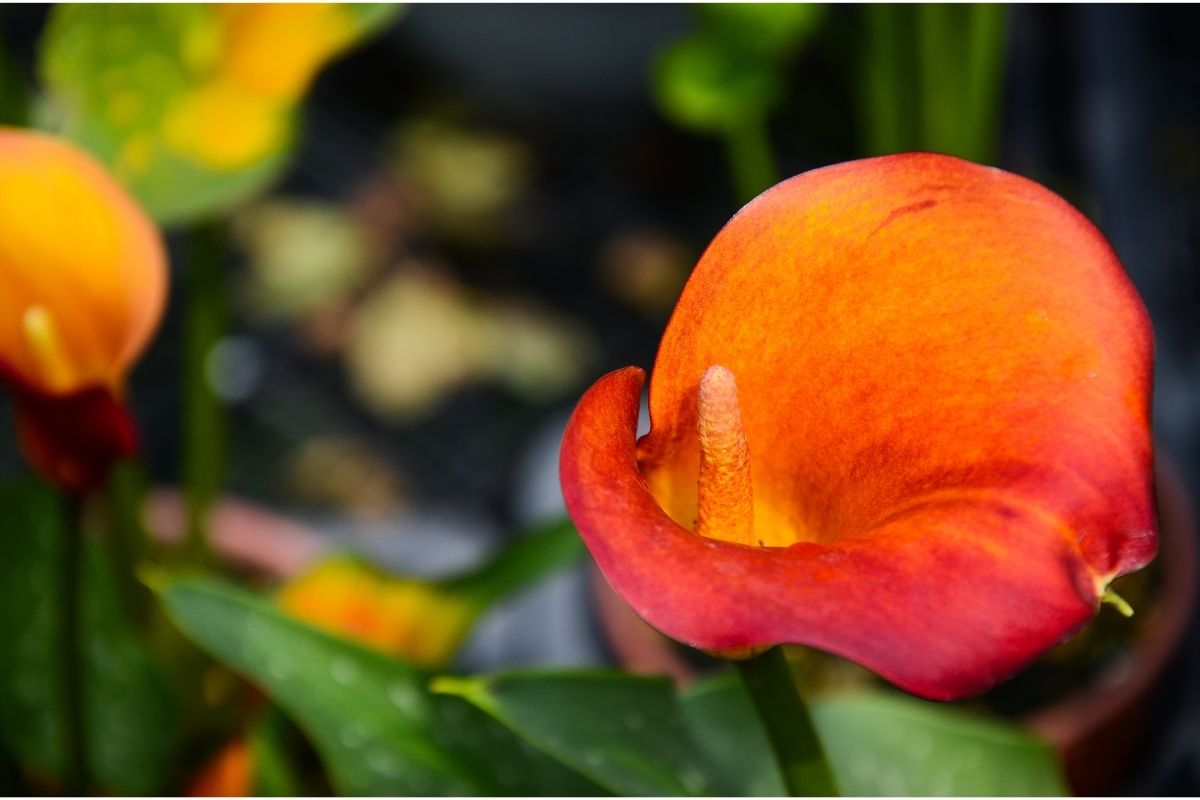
900, 413
84, 281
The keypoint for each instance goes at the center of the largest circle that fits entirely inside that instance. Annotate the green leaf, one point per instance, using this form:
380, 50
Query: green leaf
121, 80
131, 711
886, 744
761, 30
722, 720
113, 74
274, 773
512, 765
624, 732
706, 87
529, 558
878, 744
371, 718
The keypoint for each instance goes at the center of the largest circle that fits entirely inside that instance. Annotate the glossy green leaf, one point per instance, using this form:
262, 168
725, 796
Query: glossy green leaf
723, 721
701, 85
512, 765
888, 744
635, 736
119, 79
624, 732
131, 711
878, 744
371, 718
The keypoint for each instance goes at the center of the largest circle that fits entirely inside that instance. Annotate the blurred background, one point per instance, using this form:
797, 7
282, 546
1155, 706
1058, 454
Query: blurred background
490, 206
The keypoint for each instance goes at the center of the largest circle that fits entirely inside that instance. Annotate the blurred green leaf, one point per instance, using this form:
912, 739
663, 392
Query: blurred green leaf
931, 77
371, 718
145, 88
879, 744
524, 561
762, 30
131, 712
510, 763
886, 744
274, 773
703, 86
634, 735
14, 89
625, 732
723, 721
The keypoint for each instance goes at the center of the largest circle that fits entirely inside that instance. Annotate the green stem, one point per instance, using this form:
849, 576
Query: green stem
751, 161
987, 32
940, 53
75, 767
887, 96
203, 417
125, 492
14, 91
772, 687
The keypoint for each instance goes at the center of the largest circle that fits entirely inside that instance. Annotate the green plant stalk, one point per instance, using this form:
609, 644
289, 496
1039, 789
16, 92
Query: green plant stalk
128, 538
940, 55
203, 412
987, 31
751, 161
772, 687
75, 765
886, 92
14, 93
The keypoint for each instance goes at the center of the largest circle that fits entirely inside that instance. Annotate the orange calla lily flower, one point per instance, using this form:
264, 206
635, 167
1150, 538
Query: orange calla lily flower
411, 619
900, 413
84, 283
263, 58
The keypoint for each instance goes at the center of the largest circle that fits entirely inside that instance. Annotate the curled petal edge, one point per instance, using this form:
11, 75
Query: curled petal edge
944, 599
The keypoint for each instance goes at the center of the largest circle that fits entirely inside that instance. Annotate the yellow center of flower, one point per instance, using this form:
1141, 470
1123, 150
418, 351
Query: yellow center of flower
725, 502
41, 337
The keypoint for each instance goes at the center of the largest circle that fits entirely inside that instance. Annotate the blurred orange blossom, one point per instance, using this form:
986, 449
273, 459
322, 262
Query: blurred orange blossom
900, 413
84, 277
258, 63
410, 619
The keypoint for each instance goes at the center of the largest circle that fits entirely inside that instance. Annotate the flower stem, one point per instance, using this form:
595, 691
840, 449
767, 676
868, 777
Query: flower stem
751, 161
126, 487
75, 767
802, 764
203, 416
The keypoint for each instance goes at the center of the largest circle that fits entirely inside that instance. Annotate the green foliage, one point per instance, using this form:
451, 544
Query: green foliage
761, 30
705, 87
373, 722
930, 77
275, 775
379, 729
725, 79
131, 711
880, 744
725, 725
886, 744
728, 74
625, 732
119, 79
876, 743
